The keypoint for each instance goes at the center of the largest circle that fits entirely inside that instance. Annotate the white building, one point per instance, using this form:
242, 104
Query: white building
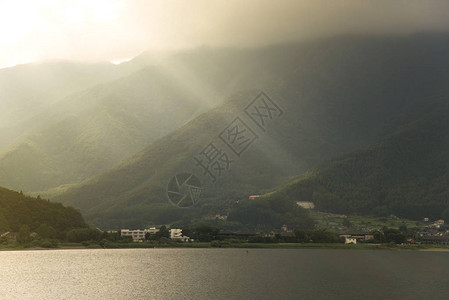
349, 240
152, 230
306, 204
176, 234
138, 235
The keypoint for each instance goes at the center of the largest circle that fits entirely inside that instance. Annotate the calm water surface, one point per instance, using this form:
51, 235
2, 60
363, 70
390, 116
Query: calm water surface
223, 274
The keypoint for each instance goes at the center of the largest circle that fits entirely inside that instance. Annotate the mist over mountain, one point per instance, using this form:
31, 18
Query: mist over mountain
29, 92
88, 131
27, 88
337, 95
110, 122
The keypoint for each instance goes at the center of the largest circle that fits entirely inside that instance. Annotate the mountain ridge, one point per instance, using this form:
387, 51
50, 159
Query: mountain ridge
373, 94
405, 174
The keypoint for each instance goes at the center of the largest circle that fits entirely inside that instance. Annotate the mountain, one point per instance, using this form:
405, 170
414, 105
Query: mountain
30, 89
337, 95
17, 210
89, 131
109, 122
405, 174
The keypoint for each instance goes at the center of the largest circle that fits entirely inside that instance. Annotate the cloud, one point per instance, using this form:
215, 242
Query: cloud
115, 29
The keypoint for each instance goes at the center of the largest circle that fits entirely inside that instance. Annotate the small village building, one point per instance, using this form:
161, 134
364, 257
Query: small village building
176, 235
11, 236
358, 237
437, 223
138, 235
306, 204
350, 240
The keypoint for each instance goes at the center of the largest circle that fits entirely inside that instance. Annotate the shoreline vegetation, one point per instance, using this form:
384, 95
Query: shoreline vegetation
33, 224
211, 245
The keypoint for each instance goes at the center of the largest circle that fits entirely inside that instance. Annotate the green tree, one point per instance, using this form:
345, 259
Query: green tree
84, 234
301, 236
378, 237
186, 231
394, 235
4, 224
4, 240
24, 234
151, 236
46, 232
324, 236
103, 243
445, 215
165, 240
163, 232
206, 233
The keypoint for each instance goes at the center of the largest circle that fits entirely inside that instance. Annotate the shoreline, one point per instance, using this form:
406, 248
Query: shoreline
426, 248
435, 250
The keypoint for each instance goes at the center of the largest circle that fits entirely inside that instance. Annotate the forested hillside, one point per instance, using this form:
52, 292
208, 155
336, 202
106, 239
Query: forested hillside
17, 210
405, 174
337, 95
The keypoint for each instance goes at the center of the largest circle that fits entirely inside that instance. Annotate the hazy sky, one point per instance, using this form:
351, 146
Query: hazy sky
93, 30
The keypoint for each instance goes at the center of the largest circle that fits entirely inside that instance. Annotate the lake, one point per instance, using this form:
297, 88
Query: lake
224, 274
